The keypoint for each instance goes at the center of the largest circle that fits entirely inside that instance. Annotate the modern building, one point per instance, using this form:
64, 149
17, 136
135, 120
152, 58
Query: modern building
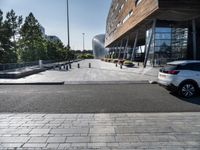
98, 43
154, 31
53, 38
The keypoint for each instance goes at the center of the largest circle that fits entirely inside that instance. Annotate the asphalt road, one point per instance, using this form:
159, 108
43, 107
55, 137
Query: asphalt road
92, 99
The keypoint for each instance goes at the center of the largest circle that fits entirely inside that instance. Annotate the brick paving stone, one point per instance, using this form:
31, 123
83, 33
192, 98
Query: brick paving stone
70, 131
79, 145
56, 139
64, 146
160, 138
102, 139
96, 145
53, 146
127, 138
102, 129
174, 131
14, 139
78, 139
34, 145
38, 140
11, 145
40, 131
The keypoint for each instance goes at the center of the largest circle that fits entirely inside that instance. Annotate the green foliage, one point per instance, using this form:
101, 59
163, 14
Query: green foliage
14, 23
71, 55
128, 63
115, 60
89, 56
32, 45
8, 31
24, 43
85, 56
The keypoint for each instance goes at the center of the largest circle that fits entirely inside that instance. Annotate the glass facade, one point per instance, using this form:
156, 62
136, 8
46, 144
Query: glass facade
99, 50
168, 44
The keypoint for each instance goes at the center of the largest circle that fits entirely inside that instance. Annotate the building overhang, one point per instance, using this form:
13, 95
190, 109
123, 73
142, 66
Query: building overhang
173, 14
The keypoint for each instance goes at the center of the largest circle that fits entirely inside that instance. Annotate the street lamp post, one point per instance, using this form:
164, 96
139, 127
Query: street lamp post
83, 41
68, 33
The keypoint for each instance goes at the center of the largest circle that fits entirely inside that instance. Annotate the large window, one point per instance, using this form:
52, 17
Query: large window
168, 44
137, 2
128, 16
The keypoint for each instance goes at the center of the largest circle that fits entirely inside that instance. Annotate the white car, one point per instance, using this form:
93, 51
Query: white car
182, 77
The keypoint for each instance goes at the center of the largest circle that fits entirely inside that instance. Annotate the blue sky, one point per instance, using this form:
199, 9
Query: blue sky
86, 16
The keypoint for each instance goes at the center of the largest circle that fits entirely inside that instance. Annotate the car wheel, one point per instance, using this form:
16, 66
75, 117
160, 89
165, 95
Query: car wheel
187, 90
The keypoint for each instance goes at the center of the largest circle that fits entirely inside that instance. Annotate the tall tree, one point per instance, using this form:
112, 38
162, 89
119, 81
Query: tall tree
13, 23
56, 50
1, 31
33, 46
8, 30
6, 44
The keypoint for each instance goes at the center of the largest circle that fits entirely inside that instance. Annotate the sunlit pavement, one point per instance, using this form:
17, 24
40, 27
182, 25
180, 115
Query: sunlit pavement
172, 131
100, 71
102, 131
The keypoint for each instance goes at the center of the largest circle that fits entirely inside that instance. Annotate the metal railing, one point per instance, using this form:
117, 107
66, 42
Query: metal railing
10, 66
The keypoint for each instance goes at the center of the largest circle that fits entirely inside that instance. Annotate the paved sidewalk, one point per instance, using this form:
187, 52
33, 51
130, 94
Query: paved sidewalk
152, 131
100, 72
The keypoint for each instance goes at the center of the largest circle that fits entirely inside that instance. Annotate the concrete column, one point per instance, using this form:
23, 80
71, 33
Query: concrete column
147, 49
194, 39
126, 48
134, 47
120, 49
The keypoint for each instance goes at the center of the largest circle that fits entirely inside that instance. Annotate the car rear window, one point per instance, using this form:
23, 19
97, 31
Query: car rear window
191, 66
169, 68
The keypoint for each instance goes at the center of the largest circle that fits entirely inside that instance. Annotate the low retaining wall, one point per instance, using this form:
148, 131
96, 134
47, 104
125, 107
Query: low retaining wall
20, 74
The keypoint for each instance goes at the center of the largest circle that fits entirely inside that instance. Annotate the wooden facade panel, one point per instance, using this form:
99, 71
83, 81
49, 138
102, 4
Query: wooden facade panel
171, 10
139, 13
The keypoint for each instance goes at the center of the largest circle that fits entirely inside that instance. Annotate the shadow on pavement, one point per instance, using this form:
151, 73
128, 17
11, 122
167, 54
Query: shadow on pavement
194, 100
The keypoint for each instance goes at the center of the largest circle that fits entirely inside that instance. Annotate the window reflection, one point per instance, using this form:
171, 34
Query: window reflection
168, 44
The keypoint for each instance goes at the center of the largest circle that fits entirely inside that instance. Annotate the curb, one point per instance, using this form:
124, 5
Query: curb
85, 83
105, 82
36, 83
153, 82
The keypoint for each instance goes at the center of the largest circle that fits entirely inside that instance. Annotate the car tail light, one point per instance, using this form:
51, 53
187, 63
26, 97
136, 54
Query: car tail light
173, 72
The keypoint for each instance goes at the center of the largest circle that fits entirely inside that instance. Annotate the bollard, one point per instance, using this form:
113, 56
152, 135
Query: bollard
138, 64
89, 65
70, 66
78, 65
67, 67
120, 66
116, 64
40, 63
